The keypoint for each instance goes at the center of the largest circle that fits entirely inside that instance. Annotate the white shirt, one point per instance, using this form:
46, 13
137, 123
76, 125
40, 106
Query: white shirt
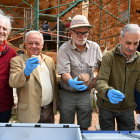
47, 92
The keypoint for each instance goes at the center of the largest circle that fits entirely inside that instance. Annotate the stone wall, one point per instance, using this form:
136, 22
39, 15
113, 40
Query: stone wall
43, 4
94, 18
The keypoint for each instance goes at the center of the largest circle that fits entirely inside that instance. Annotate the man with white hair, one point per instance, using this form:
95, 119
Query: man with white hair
118, 76
33, 74
6, 53
75, 57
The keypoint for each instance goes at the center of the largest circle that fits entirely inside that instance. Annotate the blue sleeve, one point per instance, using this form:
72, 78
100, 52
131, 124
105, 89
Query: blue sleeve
137, 99
43, 27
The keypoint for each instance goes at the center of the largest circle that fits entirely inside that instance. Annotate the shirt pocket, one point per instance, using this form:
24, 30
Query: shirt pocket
135, 73
74, 67
74, 64
91, 67
22, 106
132, 76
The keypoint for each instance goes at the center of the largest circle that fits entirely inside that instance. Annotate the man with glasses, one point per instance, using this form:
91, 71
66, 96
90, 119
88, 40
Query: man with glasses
75, 57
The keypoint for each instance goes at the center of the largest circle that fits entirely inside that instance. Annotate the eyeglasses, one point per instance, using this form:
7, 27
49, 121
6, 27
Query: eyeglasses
80, 34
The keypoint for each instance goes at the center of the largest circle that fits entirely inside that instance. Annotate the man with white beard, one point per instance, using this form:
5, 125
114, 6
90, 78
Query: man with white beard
75, 57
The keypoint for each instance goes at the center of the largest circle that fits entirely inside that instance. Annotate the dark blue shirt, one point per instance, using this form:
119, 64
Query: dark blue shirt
45, 27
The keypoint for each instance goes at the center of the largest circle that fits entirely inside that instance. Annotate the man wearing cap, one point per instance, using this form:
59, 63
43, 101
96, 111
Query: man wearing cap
62, 28
75, 57
68, 26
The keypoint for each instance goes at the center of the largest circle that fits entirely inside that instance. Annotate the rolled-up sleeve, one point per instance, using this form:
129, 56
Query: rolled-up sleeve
63, 62
99, 56
101, 84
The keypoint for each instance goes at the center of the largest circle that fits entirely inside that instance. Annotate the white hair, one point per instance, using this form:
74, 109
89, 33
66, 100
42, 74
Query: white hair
7, 20
34, 32
131, 28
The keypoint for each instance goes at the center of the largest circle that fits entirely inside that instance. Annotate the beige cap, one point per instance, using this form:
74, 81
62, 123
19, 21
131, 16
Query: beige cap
80, 21
69, 18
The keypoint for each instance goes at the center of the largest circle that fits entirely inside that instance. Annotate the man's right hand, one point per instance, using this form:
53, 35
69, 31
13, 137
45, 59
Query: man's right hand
115, 96
77, 84
31, 64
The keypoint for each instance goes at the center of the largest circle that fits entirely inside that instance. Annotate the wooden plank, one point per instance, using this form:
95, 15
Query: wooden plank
85, 8
15, 38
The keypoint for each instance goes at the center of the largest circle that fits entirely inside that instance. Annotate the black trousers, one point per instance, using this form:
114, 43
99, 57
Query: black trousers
47, 37
46, 114
125, 120
60, 39
5, 116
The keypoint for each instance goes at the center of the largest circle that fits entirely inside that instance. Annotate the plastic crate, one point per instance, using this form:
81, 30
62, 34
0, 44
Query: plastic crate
29, 131
107, 135
135, 134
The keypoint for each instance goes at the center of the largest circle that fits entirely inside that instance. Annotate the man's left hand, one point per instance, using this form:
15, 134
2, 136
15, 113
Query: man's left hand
91, 84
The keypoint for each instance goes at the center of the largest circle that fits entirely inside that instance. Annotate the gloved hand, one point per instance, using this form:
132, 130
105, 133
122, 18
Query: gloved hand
31, 64
115, 96
77, 84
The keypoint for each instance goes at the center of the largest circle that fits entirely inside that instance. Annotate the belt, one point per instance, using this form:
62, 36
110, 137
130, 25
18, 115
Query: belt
78, 91
45, 106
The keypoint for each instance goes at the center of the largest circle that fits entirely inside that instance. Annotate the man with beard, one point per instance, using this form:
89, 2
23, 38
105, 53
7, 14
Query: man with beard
75, 57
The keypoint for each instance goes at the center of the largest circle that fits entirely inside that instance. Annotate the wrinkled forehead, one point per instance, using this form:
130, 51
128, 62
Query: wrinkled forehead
129, 34
33, 36
83, 28
3, 23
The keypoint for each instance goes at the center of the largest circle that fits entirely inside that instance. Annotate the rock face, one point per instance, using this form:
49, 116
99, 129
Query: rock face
94, 19
43, 4
107, 20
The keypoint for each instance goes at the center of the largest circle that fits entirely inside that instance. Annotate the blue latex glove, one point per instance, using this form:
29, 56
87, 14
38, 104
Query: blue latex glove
31, 64
115, 96
77, 84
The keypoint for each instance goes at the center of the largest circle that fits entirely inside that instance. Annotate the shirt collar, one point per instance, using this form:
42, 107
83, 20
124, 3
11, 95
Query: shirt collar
27, 56
43, 56
132, 57
73, 46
